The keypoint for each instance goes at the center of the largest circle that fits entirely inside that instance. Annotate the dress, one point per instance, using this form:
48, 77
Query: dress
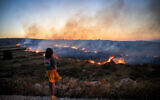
52, 74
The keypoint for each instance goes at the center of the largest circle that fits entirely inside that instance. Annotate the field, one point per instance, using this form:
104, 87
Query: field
25, 74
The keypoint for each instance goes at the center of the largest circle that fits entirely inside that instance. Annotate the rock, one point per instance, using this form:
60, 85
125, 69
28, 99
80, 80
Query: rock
126, 81
83, 70
78, 89
93, 83
38, 87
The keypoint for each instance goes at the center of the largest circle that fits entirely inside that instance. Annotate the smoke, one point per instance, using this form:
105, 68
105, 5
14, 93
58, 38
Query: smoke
116, 20
108, 15
155, 11
78, 26
82, 25
33, 31
135, 52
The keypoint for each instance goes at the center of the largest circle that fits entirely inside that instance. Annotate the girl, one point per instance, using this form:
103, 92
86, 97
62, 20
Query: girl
51, 69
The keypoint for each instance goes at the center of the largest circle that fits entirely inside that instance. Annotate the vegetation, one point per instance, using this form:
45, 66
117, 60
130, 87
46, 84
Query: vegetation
21, 75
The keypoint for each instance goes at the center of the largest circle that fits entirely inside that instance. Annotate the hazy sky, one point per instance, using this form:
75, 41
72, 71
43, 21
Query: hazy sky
80, 19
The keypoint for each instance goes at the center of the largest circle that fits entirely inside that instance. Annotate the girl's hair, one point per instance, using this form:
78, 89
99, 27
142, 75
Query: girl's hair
48, 53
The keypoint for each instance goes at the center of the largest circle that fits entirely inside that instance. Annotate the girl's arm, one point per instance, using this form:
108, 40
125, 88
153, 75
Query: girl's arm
55, 67
53, 63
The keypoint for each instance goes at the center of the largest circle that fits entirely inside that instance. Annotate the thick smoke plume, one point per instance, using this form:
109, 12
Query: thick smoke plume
113, 22
155, 10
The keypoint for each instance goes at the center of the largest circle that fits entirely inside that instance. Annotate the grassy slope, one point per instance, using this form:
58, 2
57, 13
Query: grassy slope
18, 76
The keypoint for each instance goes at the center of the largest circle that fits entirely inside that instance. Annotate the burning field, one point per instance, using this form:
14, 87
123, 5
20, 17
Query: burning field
87, 72
99, 51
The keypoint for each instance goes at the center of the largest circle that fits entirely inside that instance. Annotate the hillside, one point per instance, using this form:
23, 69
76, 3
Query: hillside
25, 74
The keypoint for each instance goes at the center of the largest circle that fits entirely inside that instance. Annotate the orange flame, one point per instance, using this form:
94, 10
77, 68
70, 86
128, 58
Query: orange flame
43, 54
74, 47
37, 51
57, 45
91, 61
119, 61
18, 45
112, 58
95, 51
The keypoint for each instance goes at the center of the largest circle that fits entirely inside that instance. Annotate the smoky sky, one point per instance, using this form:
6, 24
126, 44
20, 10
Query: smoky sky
82, 19
154, 7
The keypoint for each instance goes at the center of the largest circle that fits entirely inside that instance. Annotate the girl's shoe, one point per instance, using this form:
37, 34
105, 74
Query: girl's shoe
53, 97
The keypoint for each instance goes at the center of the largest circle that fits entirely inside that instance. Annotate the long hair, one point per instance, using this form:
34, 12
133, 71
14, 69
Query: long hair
49, 53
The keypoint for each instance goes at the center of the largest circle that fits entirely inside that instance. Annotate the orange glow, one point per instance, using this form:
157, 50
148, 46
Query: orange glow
99, 63
95, 51
29, 48
84, 29
43, 54
74, 47
18, 45
83, 49
91, 61
37, 51
65, 46
57, 45
112, 58
119, 61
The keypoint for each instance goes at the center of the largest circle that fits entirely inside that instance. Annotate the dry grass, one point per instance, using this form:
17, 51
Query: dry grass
80, 78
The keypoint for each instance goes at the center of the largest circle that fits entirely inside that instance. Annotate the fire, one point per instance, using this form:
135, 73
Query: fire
74, 47
83, 49
119, 61
112, 58
95, 51
57, 45
91, 61
37, 51
43, 54
99, 63
107, 61
29, 49
18, 45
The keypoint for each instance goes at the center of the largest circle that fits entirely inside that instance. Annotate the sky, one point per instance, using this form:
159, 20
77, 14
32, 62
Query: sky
80, 19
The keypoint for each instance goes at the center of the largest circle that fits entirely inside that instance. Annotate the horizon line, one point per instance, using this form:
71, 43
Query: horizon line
71, 39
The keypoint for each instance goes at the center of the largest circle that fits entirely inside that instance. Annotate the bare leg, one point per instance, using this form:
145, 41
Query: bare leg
52, 88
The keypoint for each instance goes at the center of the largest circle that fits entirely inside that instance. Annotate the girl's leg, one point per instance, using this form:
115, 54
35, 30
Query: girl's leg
52, 88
